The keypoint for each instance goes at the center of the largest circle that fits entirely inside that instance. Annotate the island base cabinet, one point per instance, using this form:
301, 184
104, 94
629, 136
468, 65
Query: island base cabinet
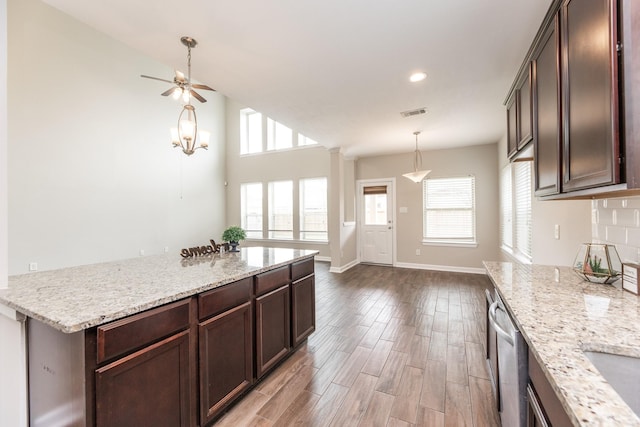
303, 309
273, 329
149, 387
226, 359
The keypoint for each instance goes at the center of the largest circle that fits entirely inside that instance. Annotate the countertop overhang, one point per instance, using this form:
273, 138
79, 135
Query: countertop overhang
77, 298
560, 316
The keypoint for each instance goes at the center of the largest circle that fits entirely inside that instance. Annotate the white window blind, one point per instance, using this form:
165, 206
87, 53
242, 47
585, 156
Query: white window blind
251, 209
449, 210
522, 207
506, 208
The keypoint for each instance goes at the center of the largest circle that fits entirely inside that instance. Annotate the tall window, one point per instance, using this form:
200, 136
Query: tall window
303, 140
281, 210
250, 131
522, 207
251, 209
515, 201
279, 136
449, 210
313, 209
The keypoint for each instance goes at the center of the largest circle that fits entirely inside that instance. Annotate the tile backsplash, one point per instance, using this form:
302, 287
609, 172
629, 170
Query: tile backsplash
617, 222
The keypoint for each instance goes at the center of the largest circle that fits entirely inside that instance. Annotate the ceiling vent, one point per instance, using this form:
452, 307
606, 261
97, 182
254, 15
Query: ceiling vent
416, 112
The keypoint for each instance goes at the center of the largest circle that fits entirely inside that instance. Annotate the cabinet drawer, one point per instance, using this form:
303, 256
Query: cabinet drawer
302, 269
123, 336
271, 280
223, 298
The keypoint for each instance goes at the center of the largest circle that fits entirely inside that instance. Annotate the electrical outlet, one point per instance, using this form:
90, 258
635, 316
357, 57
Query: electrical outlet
166, 249
141, 252
417, 251
556, 232
33, 266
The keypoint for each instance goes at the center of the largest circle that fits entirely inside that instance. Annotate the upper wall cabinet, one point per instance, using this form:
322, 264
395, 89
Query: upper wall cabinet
545, 67
590, 94
512, 125
519, 115
582, 65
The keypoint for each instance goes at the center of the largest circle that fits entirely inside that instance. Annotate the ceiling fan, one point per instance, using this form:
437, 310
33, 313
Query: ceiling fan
183, 86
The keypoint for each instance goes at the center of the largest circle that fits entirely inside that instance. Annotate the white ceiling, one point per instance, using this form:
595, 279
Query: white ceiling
337, 70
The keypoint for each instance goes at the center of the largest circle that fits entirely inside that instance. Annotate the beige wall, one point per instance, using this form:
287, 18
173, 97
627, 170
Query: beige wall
294, 164
92, 174
479, 161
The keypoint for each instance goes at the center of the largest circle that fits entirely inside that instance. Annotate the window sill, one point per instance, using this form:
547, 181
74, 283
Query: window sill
450, 243
516, 256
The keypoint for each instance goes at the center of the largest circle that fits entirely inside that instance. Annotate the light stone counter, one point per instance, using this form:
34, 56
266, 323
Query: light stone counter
77, 298
560, 315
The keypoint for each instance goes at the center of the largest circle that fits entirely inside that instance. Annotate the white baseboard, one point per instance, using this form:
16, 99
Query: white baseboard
449, 268
345, 267
323, 258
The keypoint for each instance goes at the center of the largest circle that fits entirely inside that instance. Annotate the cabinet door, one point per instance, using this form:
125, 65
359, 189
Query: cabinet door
546, 84
303, 309
513, 134
590, 96
149, 387
273, 329
226, 359
524, 110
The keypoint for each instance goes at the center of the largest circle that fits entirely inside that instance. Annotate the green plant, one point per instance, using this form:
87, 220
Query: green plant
234, 234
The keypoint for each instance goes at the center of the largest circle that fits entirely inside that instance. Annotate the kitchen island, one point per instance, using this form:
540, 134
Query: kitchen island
561, 316
160, 340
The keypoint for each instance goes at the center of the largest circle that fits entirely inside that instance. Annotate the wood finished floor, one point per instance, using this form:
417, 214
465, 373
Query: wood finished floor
392, 347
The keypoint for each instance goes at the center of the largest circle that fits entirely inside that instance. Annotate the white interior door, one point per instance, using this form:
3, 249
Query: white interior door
376, 221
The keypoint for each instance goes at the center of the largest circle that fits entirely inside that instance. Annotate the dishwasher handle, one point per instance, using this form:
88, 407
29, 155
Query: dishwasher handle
501, 332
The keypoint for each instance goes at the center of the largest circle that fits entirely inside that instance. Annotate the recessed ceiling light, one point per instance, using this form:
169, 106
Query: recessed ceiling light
418, 77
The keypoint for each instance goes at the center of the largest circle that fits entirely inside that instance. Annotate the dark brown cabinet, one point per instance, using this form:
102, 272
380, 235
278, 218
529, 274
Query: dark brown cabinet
149, 387
512, 125
525, 112
590, 94
225, 346
273, 329
153, 384
303, 301
545, 67
545, 408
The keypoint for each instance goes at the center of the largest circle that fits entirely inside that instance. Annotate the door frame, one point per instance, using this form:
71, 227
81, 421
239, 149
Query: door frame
360, 183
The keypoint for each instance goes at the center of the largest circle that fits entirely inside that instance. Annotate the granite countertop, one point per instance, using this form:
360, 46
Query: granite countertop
77, 298
560, 316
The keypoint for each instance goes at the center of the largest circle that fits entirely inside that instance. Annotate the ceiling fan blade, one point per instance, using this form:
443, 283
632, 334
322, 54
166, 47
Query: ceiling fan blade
179, 76
197, 96
168, 91
155, 78
205, 87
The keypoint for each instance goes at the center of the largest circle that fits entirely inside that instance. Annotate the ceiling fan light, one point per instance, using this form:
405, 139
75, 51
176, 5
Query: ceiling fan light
176, 93
416, 176
186, 96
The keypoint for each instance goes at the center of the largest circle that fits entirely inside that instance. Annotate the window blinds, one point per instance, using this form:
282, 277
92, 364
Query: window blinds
449, 209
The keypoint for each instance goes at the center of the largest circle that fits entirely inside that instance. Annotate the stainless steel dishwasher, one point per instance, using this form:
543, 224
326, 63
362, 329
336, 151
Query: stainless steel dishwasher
512, 366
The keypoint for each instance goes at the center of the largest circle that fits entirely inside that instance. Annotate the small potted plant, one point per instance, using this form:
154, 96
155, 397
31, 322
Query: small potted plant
233, 235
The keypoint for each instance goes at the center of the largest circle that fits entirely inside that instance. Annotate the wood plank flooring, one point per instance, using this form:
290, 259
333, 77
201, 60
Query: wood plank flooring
392, 347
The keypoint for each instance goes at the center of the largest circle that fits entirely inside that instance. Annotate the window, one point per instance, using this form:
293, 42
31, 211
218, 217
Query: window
515, 201
375, 205
303, 140
279, 136
250, 131
313, 209
251, 209
281, 210
449, 211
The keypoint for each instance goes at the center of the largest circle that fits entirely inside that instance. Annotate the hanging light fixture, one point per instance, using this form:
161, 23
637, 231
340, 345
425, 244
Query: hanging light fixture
417, 175
186, 135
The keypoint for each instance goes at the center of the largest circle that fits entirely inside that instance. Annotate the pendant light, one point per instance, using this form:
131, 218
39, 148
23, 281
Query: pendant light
418, 174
